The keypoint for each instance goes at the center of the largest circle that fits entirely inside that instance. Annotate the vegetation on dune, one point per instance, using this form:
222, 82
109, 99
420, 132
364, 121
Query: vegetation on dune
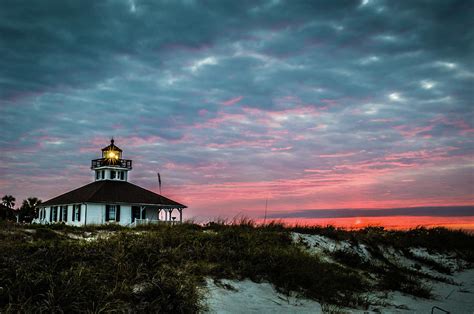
438, 239
26, 213
161, 268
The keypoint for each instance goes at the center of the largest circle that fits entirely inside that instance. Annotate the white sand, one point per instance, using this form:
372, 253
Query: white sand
232, 296
249, 297
452, 298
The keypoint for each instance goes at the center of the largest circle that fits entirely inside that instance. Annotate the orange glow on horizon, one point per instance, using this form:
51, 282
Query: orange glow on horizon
389, 222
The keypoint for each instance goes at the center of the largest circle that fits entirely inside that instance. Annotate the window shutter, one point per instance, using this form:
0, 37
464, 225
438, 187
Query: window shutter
65, 213
50, 214
117, 213
79, 210
107, 208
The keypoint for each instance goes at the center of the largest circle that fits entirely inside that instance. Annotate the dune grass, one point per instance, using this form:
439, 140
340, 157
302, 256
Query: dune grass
162, 268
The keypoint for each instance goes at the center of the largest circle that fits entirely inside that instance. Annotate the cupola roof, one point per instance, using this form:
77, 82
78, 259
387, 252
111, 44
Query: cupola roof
111, 147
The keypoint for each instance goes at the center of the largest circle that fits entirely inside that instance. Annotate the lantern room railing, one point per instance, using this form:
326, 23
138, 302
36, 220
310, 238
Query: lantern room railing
107, 162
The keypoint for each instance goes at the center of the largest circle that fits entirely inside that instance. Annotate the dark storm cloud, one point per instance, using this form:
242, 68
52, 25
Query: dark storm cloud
75, 43
66, 44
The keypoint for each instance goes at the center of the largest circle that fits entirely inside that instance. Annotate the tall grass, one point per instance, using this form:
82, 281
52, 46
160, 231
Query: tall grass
160, 268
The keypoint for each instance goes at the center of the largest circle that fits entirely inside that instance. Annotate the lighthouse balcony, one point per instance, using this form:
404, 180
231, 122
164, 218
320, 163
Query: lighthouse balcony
107, 162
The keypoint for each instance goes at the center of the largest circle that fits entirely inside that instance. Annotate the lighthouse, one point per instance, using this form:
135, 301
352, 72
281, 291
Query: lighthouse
110, 198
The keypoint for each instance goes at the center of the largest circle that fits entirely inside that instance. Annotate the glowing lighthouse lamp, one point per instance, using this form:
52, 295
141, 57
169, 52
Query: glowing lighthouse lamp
112, 155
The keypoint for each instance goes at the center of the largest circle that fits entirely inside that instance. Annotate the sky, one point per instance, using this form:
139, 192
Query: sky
307, 104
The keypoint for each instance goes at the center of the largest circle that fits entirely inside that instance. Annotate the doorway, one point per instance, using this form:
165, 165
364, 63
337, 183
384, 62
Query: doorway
135, 213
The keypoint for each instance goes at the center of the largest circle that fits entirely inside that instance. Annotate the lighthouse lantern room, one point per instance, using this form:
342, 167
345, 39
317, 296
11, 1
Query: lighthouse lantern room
111, 166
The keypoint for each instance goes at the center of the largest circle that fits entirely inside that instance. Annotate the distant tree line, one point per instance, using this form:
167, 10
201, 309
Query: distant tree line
26, 213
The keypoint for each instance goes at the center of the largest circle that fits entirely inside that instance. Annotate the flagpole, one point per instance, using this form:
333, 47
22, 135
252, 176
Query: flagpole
265, 217
159, 181
159, 187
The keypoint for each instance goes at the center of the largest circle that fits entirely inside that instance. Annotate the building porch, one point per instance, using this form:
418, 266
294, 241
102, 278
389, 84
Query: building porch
148, 215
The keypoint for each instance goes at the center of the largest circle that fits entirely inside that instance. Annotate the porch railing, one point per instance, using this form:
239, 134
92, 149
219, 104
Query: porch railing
141, 222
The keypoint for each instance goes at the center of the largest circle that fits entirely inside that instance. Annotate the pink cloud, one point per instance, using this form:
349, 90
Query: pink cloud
254, 116
409, 132
281, 149
259, 143
232, 101
275, 119
460, 124
222, 118
338, 155
362, 187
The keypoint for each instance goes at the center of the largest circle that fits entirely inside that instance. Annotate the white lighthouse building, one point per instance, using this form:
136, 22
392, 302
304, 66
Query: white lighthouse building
110, 198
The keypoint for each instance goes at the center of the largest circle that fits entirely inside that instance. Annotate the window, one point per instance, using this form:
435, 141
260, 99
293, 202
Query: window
112, 213
112, 174
97, 175
122, 175
63, 216
76, 212
103, 174
53, 214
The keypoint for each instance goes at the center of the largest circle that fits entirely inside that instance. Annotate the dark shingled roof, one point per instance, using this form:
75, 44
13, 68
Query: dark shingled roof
109, 191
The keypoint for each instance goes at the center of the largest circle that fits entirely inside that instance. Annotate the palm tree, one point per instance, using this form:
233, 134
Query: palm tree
8, 201
28, 208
